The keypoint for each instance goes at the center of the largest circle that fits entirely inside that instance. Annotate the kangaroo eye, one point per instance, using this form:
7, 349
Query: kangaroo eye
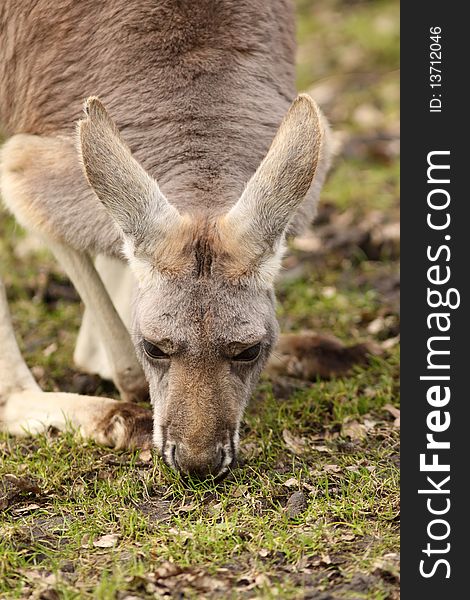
249, 354
153, 351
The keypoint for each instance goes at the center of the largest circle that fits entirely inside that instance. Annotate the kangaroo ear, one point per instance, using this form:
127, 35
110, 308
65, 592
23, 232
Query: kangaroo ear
259, 219
130, 195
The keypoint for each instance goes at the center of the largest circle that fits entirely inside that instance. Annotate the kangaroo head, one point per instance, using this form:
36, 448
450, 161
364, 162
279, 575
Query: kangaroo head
205, 310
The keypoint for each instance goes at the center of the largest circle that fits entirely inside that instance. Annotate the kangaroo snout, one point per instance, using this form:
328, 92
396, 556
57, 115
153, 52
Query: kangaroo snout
201, 462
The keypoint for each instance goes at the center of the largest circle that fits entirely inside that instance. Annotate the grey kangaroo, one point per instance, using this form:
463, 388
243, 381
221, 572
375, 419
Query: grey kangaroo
193, 161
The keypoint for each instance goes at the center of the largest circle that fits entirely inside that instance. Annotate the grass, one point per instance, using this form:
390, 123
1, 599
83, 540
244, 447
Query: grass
333, 441
240, 524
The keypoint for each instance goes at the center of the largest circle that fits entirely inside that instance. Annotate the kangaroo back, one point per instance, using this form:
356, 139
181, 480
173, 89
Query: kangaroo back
198, 87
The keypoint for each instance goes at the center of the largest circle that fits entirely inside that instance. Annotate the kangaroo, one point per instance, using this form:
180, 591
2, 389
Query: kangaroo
193, 161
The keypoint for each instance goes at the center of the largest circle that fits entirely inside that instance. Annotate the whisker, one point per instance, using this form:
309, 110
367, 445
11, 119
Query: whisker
277, 355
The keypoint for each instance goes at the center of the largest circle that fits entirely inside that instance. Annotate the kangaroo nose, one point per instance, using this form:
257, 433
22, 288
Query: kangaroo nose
200, 463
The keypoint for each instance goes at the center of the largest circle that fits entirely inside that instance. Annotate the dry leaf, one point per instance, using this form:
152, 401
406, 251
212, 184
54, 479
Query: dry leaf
388, 565
205, 583
292, 482
106, 541
369, 424
50, 349
240, 490
311, 488
329, 291
296, 444
390, 343
25, 509
12, 488
167, 569
354, 430
250, 449
38, 372
262, 580
41, 577
332, 468
395, 412
376, 326
321, 449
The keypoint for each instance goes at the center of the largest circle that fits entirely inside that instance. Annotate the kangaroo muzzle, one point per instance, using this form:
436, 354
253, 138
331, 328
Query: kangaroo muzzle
201, 460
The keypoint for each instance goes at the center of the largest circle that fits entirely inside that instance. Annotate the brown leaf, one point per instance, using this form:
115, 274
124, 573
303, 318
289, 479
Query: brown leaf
390, 343
308, 355
388, 566
25, 509
395, 412
262, 580
377, 325
292, 482
12, 488
240, 490
167, 569
332, 468
322, 449
49, 350
296, 444
369, 423
354, 430
311, 488
106, 541
206, 583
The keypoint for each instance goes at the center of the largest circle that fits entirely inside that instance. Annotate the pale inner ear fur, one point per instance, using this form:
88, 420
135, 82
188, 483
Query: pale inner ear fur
131, 196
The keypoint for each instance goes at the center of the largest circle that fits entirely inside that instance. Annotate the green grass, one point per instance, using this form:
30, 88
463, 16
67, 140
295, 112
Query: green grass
360, 185
351, 512
235, 539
